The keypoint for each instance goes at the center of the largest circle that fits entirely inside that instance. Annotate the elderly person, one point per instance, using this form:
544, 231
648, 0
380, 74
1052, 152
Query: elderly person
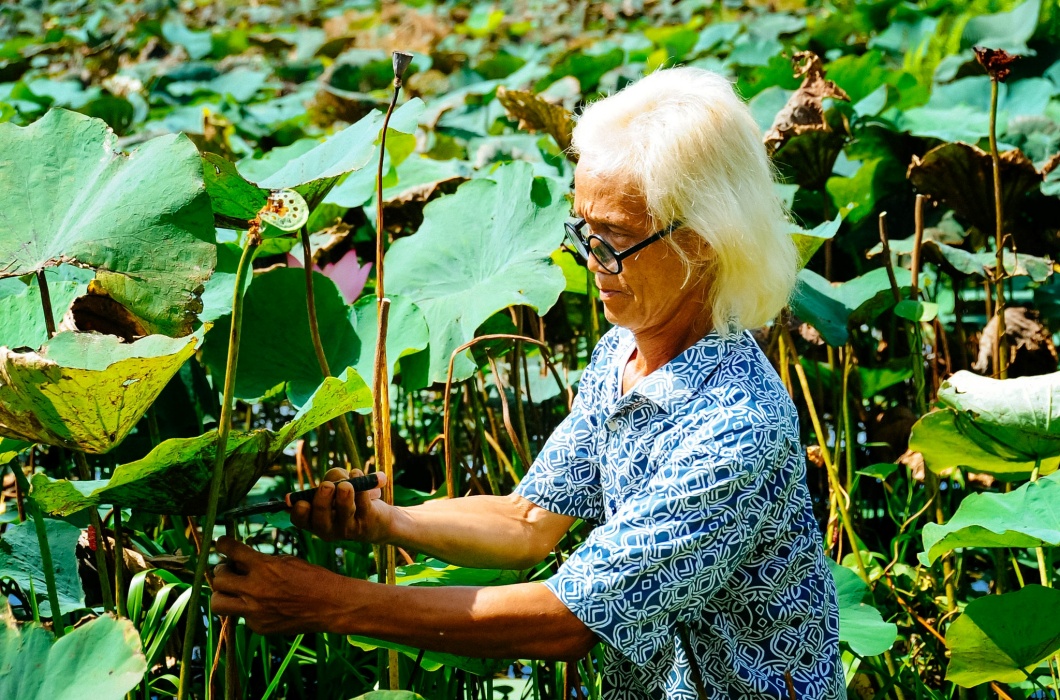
705, 576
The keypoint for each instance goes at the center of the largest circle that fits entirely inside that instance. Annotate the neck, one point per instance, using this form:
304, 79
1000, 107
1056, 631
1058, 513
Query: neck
659, 344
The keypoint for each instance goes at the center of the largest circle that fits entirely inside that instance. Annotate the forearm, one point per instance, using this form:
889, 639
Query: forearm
503, 532
468, 621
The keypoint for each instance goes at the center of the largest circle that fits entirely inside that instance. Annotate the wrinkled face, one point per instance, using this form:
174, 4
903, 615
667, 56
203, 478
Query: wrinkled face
648, 293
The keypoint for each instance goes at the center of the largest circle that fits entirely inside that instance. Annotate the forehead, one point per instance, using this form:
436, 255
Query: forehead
608, 197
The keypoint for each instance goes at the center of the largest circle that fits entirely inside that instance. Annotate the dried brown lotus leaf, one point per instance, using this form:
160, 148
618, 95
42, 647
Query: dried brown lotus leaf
804, 110
962, 176
534, 113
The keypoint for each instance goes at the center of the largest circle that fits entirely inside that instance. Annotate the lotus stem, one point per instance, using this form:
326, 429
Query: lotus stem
119, 564
343, 428
833, 474
223, 428
58, 626
101, 553
1000, 343
46, 302
381, 378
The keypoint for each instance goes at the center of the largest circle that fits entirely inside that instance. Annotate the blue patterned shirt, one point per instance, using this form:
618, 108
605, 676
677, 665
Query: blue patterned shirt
696, 481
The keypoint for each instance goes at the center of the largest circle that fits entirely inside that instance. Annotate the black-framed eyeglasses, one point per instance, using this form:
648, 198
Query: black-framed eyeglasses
609, 258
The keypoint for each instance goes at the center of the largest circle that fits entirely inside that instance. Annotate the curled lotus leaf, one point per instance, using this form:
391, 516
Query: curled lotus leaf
962, 176
68, 195
535, 113
1025, 517
85, 391
1001, 427
175, 476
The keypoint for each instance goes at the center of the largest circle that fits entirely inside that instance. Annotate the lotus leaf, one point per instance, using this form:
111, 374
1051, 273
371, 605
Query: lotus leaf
480, 250
20, 560
999, 427
808, 242
962, 176
85, 391
999, 637
23, 317
276, 299
830, 308
100, 659
957, 261
71, 197
175, 476
9, 449
860, 624
1026, 517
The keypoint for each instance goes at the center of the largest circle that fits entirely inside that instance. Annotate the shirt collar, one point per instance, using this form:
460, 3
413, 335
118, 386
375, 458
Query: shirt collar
674, 383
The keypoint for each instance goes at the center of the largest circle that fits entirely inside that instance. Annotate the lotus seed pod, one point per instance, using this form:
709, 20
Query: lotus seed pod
401, 63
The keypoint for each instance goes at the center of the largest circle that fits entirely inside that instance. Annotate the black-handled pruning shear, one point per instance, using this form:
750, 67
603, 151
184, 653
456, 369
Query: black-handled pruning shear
359, 483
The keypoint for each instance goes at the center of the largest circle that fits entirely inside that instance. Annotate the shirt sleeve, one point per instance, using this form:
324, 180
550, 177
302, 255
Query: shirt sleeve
565, 477
674, 543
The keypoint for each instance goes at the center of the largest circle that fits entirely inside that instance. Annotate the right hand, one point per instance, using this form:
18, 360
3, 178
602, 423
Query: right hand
340, 513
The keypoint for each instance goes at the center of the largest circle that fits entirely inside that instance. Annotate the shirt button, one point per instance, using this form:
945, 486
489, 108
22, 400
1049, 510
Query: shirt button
612, 425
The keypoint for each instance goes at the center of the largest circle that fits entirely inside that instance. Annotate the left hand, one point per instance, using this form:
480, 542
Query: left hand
274, 594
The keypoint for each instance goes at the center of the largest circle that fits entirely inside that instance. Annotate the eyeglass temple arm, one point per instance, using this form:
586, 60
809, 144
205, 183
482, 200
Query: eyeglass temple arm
649, 240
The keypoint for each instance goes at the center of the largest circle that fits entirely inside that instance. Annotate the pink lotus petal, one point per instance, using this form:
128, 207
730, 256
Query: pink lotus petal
349, 275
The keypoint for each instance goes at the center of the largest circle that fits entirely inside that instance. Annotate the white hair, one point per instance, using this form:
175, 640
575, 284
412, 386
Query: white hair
691, 146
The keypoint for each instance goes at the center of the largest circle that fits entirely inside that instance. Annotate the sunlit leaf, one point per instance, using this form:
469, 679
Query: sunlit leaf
100, 659
85, 391
480, 250
175, 476
1025, 517
67, 195
999, 637
1001, 427
860, 624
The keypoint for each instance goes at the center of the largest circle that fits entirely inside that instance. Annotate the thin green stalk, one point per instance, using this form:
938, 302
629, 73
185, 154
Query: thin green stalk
1044, 565
223, 428
1000, 343
352, 455
275, 683
45, 553
97, 525
119, 568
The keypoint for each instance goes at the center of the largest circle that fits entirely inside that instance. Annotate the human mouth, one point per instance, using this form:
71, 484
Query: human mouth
606, 294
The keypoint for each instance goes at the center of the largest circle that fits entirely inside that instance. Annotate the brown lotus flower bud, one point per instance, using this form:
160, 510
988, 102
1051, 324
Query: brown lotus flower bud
401, 63
997, 62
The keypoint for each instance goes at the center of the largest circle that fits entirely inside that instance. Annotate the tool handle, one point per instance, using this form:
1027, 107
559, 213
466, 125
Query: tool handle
359, 483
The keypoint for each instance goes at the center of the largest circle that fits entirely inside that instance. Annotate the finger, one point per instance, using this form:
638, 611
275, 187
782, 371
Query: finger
224, 604
336, 474
225, 580
344, 503
322, 503
237, 551
300, 514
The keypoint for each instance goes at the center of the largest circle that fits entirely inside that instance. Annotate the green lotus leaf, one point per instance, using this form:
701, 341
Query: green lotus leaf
831, 308
999, 427
1026, 517
85, 391
23, 317
1000, 637
69, 196
277, 298
9, 449
20, 561
480, 250
312, 171
808, 242
406, 332
175, 476
100, 659
957, 261
860, 624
